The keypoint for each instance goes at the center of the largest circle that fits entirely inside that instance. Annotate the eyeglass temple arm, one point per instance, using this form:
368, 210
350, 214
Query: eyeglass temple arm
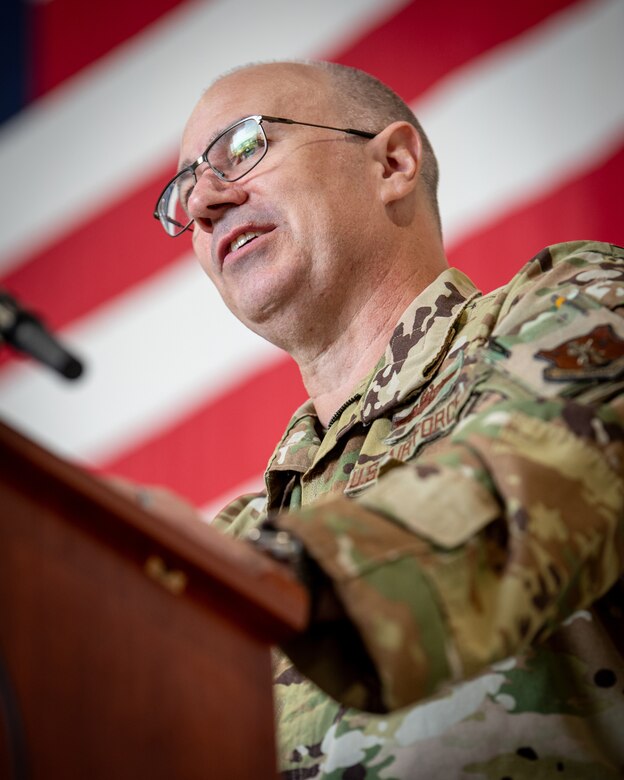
281, 120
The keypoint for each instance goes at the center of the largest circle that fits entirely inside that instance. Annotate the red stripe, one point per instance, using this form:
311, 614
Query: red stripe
588, 207
99, 259
223, 443
229, 440
122, 246
426, 40
68, 35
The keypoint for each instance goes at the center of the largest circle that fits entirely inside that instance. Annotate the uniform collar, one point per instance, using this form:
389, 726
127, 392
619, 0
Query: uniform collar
419, 341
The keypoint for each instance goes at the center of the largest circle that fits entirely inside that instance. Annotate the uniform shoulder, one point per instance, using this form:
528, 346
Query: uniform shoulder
568, 258
582, 265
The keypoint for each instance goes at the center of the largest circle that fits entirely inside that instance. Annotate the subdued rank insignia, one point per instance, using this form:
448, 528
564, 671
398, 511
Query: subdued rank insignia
598, 354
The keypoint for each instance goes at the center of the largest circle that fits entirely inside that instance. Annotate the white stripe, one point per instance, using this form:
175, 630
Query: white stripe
497, 145
528, 115
532, 111
152, 355
71, 152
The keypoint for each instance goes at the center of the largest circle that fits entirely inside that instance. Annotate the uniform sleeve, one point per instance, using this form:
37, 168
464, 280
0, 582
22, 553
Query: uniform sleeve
466, 554
241, 514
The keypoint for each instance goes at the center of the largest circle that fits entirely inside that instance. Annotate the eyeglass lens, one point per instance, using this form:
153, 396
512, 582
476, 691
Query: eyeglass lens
230, 156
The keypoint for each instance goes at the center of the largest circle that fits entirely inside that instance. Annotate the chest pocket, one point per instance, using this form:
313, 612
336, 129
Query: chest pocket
432, 414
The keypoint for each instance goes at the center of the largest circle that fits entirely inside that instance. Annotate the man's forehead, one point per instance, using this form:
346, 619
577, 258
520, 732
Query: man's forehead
280, 89
278, 78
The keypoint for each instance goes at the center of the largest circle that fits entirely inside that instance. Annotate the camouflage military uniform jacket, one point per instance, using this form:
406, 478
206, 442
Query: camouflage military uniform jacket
467, 504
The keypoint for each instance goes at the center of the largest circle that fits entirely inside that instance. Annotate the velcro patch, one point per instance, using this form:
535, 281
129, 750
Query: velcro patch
407, 439
598, 354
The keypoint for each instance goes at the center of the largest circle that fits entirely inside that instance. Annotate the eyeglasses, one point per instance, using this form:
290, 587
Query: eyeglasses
232, 154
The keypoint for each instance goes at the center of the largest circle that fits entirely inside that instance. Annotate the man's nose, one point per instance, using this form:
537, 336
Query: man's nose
212, 197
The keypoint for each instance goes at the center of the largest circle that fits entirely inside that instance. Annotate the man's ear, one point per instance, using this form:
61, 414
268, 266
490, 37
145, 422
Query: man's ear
399, 150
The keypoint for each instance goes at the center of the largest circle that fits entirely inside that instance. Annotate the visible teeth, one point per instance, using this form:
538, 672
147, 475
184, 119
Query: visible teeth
243, 239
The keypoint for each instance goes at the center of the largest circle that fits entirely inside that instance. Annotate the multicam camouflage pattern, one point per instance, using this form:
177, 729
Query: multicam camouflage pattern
468, 506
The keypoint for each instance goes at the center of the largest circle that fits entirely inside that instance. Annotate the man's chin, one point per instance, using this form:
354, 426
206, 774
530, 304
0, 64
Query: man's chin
254, 310
269, 316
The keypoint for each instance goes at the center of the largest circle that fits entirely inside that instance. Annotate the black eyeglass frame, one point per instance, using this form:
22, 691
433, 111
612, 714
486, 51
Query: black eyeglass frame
203, 158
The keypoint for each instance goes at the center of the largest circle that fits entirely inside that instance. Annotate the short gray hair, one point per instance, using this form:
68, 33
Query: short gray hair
372, 105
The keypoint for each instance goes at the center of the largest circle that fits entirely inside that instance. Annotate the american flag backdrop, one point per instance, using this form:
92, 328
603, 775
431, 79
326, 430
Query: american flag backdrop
523, 101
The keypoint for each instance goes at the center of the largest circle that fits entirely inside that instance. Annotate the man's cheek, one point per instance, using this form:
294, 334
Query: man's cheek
202, 246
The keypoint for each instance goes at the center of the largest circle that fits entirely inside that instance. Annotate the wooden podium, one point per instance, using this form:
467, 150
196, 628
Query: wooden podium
130, 646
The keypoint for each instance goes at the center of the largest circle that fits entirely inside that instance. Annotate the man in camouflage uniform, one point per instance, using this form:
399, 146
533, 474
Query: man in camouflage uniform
456, 480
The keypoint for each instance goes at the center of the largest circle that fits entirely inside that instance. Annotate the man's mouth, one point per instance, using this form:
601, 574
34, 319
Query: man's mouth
236, 239
243, 239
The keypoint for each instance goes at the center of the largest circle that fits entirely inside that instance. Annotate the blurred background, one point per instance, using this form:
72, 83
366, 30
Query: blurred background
523, 102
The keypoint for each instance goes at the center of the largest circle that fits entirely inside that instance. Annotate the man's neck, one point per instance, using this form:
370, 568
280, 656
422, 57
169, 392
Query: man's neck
332, 371
328, 388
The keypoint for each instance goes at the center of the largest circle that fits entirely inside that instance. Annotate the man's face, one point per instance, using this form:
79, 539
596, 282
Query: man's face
308, 200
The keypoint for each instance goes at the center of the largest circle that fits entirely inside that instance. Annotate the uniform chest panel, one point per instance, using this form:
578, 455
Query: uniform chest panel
430, 415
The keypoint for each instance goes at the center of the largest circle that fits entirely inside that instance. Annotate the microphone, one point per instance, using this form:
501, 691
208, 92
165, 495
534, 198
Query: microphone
27, 333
